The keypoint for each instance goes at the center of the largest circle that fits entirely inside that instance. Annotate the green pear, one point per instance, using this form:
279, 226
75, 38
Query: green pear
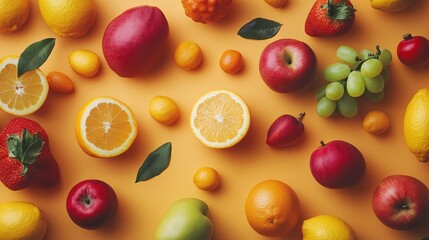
185, 220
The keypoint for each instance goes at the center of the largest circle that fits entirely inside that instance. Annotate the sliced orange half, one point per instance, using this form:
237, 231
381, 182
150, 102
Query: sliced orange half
24, 95
105, 127
220, 119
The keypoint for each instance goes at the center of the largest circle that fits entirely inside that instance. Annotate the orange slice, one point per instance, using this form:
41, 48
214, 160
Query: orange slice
24, 95
105, 127
220, 119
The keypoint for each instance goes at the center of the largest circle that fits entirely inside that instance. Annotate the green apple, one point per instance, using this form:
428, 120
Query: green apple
187, 219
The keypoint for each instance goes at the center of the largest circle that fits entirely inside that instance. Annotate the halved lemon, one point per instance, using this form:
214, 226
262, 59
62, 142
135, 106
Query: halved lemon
105, 127
220, 119
24, 95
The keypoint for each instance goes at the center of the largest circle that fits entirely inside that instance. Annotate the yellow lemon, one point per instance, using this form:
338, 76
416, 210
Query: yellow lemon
24, 95
220, 119
416, 125
164, 110
188, 55
327, 227
206, 178
105, 127
22, 221
13, 14
84, 62
391, 5
68, 18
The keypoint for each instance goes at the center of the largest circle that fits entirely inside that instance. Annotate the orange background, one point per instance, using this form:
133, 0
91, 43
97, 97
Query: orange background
142, 205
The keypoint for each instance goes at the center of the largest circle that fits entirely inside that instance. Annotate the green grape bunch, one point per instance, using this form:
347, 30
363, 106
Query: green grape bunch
362, 73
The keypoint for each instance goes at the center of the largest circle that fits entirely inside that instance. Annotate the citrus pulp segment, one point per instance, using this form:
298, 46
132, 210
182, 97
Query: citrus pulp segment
220, 119
24, 95
105, 127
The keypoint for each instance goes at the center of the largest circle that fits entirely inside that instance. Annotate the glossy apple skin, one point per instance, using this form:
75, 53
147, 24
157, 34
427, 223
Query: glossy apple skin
413, 50
337, 164
287, 65
401, 202
90, 203
134, 41
285, 130
186, 219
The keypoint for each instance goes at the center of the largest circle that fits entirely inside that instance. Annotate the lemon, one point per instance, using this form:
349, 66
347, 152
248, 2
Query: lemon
391, 5
13, 14
327, 227
68, 18
164, 110
220, 119
188, 55
24, 95
416, 125
22, 221
84, 62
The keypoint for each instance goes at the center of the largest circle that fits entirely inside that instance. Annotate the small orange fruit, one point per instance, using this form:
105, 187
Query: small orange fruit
188, 55
272, 208
206, 11
59, 82
376, 122
206, 178
84, 62
277, 3
231, 61
164, 110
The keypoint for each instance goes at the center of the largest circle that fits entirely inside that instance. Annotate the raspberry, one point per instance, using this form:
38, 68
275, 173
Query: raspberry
205, 11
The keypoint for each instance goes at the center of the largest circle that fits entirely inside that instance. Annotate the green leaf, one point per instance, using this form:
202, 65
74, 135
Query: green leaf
259, 29
35, 55
155, 163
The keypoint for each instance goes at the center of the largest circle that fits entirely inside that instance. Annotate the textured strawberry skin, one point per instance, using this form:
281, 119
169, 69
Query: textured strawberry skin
43, 173
318, 24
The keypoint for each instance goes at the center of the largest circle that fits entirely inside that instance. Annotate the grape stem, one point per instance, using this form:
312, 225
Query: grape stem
370, 56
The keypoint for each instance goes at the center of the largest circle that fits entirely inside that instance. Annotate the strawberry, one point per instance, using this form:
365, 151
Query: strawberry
330, 18
25, 158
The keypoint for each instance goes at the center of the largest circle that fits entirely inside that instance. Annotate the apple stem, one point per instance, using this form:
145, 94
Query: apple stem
301, 116
407, 36
322, 143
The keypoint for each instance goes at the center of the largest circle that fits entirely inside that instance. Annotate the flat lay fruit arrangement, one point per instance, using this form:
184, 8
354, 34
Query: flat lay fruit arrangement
220, 119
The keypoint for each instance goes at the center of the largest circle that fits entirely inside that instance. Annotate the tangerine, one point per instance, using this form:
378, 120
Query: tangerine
231, 61
272, 208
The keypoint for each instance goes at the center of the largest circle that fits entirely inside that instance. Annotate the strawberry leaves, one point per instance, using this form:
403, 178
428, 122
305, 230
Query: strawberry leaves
25, 148
338, 11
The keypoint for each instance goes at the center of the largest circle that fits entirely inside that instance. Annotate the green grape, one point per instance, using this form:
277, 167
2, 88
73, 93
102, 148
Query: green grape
325, 107
336, 72
365, 53
320, 93
347, 106
355, 84
371, 68
347, 54
334, 90
385, 57
374, 97
374, 85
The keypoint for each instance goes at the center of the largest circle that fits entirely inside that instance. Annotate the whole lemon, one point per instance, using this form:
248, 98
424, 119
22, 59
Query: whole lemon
22, 221
84, 62
416, 125
327, 227
13, 14
68, 18
391, 5
164, 109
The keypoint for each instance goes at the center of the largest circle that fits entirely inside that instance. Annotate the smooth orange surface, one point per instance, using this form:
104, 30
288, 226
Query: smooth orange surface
141, 205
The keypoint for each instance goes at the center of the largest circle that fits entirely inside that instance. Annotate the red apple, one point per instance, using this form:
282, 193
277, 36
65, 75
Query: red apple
285, 130
337, 164
90, 203
134, 41
401, 202
413, 50
287, 65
